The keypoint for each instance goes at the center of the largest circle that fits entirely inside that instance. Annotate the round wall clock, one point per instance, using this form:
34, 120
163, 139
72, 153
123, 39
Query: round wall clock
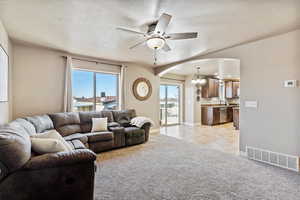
142, 89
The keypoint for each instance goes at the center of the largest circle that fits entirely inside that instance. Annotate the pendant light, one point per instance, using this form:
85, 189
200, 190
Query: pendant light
197, 79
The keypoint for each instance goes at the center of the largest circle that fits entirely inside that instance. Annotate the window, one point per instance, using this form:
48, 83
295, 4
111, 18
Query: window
94, 91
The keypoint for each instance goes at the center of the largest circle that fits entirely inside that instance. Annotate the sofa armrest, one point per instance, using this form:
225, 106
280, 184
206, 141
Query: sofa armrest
147, 127
59, 159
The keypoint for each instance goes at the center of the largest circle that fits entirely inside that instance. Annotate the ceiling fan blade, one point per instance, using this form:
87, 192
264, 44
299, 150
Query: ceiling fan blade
138, 43
166, 47
130, 31
181, 36
162, 23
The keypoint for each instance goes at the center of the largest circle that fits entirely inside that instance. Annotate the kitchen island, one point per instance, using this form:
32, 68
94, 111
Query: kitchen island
217, 114
236, 117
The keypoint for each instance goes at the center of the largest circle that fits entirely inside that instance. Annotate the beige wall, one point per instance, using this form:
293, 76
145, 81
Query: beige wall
150, 107
38, 78
265, 65
6, 107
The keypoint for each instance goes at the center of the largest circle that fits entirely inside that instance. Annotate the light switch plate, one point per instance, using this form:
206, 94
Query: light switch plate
251, 104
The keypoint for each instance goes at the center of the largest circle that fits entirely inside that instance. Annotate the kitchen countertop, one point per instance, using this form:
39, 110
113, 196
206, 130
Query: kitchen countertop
219, 105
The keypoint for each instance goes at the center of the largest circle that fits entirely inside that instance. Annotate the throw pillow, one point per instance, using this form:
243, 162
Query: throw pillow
46, 145
99, 124
53, 134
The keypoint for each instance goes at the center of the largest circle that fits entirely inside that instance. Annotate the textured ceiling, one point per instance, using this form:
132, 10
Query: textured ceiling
223, 67
88, 27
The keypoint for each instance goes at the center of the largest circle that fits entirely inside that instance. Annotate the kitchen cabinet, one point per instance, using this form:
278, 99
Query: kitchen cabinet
213, 115
210, 89
236, 118
232, 89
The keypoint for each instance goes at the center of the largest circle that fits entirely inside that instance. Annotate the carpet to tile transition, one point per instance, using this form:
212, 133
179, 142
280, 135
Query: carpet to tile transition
166, 168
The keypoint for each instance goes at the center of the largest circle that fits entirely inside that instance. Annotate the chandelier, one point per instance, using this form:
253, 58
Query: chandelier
197, 79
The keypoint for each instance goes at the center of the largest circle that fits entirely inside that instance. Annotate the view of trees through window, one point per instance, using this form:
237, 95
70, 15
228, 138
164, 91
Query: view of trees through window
94, 91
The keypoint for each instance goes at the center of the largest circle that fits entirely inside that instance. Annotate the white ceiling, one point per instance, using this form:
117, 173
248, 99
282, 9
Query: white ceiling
222, 67
88, 27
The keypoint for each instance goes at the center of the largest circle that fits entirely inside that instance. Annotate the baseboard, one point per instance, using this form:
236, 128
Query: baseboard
242, 153
192, 124
154, 130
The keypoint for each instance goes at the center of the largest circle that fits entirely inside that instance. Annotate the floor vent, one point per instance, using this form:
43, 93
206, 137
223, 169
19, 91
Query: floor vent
273, 158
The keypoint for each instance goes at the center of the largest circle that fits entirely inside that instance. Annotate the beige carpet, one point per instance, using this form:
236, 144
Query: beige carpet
166, 168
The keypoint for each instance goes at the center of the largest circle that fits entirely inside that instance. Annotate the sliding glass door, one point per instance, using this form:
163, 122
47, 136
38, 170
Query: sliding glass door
169, 104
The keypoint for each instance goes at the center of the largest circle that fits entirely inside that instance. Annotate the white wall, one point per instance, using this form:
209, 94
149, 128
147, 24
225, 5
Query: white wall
192, 106
38, 79
265, 64
6, 107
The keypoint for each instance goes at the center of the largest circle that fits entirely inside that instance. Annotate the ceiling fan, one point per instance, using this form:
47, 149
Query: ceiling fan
156, 37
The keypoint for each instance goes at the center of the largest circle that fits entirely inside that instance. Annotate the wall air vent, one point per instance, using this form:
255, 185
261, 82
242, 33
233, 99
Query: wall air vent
277, 159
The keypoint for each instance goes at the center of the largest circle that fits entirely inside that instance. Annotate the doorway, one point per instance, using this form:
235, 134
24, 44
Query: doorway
170, 106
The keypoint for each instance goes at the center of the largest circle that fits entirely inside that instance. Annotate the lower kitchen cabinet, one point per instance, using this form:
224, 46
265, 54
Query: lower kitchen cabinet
213, 115
236, 118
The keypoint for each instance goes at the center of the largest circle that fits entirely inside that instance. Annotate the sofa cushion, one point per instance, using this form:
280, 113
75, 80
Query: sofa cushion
66, 123
123, 117
99, 136
48, 145
99, 124
41, 123
77, 144
77, 136
113, 124
15, 147
86, 119
108, 114
53, 134
134, 132
28, 127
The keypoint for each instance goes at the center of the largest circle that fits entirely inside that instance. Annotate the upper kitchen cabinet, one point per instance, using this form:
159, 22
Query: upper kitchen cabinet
232, 89
210, 89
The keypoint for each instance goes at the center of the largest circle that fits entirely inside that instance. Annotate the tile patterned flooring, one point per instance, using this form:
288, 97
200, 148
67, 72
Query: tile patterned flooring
221, 137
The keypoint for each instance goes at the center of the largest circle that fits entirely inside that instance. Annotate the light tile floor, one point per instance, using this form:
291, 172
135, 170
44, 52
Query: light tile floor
221, 137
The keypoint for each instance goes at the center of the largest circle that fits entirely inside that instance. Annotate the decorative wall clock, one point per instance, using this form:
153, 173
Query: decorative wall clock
142, 89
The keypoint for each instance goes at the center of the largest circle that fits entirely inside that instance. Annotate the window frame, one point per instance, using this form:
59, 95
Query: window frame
118, 75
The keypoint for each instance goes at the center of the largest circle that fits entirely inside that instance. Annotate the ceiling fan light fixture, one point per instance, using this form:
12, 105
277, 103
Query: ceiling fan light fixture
155, 43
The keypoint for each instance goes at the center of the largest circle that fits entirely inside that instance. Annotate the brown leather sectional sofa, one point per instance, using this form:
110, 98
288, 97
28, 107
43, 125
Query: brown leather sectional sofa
64, 175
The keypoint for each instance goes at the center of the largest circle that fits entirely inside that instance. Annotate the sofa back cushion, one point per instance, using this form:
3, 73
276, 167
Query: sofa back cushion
66, 123
27, 126
123, 117
86, 119
15, 147
41, 123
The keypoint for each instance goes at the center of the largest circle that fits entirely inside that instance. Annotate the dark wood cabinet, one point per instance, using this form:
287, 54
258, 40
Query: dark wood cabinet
236, 118
213, 115
210, 89
229, 114
232, 89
